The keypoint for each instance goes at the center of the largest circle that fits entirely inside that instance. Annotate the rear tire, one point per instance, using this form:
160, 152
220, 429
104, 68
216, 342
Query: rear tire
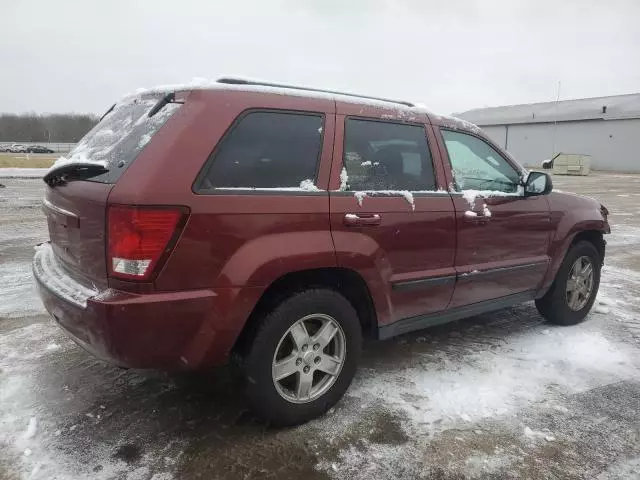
568, 304
306, 336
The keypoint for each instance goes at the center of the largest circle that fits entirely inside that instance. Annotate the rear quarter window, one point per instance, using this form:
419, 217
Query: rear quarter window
266, 150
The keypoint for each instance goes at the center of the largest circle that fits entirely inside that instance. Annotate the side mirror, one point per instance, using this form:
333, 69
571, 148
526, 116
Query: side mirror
538, 183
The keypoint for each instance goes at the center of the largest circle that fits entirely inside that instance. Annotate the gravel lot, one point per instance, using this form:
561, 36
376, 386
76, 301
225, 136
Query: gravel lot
501, 396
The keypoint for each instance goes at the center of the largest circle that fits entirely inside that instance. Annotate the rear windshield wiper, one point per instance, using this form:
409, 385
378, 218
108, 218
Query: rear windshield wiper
73, 171
166, 99
107, 112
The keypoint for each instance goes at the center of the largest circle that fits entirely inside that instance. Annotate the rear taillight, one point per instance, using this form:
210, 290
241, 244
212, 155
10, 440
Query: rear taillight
138, 237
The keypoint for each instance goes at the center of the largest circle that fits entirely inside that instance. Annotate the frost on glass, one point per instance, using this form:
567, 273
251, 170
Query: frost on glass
121, 134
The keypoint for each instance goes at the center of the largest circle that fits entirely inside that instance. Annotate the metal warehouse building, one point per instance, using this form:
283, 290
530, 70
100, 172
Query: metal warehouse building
606, 128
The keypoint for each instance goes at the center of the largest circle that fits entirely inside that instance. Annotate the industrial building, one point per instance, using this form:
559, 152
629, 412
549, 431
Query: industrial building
605, 128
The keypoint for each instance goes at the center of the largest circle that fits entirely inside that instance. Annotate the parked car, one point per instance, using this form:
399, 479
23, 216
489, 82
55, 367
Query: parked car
17, 148
38, 149
277, 227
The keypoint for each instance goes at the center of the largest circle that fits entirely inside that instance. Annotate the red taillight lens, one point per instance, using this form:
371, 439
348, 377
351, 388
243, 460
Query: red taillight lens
138, 236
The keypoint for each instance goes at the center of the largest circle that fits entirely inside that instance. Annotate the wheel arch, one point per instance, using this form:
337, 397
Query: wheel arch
347, 282
595, 236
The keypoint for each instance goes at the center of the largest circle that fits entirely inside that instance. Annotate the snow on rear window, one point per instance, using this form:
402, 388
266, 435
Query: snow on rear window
119, 137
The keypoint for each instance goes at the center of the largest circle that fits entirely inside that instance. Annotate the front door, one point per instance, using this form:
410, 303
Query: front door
389, 223
503, 236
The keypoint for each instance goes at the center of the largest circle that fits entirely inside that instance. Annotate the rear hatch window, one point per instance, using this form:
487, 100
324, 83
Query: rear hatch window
120, 136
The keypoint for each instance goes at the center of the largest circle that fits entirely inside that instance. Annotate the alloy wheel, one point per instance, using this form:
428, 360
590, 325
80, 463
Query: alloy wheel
580, 283
308, 358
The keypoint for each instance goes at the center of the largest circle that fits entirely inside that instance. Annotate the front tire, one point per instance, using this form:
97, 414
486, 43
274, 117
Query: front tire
575, 287
303, 357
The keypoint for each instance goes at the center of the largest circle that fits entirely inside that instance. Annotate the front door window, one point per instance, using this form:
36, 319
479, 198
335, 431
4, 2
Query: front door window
478, 166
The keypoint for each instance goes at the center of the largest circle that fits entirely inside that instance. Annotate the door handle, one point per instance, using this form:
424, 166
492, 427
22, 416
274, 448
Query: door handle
353, 219
476, 218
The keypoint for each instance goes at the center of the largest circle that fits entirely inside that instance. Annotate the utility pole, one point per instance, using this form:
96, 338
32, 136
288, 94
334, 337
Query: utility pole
555, 124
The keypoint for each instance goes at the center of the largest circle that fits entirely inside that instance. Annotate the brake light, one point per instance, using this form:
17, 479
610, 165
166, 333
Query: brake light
138, 236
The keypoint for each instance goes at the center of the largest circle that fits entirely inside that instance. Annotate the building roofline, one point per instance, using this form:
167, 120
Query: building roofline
612, 107
553, 102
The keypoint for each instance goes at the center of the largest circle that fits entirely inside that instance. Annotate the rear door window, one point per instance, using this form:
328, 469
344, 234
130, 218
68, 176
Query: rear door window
267, 150
386, 156
121, 135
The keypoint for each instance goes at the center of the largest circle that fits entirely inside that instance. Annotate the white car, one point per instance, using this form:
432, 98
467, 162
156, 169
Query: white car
18, 148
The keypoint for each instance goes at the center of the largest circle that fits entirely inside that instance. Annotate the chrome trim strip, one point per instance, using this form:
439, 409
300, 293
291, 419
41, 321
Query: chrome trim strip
444, 280
423, 321
492, 271
423, 283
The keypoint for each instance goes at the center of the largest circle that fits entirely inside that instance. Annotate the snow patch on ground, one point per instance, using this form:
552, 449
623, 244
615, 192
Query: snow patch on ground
442, 392
536, 435
17, 291
625, 469
481, 465
625, 235
369, 461
30, 431
488, 383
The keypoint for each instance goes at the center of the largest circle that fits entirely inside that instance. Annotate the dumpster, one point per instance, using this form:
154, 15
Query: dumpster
571, 164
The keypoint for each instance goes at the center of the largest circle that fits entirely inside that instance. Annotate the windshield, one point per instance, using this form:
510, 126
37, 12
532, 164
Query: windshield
118, 139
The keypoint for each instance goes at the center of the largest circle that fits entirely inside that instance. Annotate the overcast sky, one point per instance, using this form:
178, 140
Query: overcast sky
81, 55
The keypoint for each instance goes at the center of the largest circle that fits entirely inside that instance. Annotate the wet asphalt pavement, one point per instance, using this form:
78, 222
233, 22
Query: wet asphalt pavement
502, 395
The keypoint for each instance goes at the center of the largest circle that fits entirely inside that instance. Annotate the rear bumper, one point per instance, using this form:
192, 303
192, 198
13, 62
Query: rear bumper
174, 330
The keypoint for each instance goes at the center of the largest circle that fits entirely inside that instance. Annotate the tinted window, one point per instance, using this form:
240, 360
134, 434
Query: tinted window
267, 150
478, 166
386, 156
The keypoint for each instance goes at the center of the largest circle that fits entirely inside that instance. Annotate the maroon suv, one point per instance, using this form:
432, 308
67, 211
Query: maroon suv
279, 225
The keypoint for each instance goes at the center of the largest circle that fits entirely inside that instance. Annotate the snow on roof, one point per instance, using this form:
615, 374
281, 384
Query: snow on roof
264, 86
605, 108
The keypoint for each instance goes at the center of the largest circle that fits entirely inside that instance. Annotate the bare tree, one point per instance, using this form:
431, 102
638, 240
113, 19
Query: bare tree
31, 127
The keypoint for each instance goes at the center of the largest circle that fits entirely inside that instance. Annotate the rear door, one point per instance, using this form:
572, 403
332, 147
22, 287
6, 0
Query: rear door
503, 236
388, 219
259, 206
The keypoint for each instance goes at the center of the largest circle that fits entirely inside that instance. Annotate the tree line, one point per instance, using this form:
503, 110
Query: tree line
55, 127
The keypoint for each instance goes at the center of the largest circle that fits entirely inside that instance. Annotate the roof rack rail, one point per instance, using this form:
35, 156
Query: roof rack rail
242, 81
